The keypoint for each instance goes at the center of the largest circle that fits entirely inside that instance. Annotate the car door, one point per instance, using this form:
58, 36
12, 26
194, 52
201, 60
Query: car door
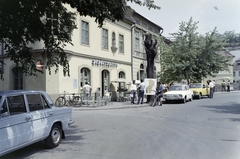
188, 92
15, 124
40, 112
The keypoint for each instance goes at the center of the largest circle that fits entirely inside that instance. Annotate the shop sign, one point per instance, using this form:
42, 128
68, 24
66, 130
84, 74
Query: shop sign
104, 63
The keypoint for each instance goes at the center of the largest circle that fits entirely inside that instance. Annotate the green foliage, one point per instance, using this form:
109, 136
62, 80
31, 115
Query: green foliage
25, 22
191, 56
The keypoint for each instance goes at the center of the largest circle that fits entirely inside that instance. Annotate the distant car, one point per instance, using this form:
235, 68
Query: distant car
199, 90
178, 92
28, 117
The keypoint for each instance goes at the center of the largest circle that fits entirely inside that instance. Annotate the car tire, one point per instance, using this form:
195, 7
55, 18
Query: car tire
54, 137
200, 96
184, 100
191, 98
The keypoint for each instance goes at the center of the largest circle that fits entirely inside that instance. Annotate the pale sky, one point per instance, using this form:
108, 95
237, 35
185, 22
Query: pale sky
223, 14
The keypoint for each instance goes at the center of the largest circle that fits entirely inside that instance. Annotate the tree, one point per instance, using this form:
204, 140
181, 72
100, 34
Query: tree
25, 22
191, 56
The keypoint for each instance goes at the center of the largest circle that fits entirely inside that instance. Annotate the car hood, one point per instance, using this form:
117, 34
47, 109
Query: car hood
196, 89
175, 92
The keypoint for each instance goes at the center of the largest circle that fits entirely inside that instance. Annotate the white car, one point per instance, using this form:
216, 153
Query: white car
178, 92
28, 117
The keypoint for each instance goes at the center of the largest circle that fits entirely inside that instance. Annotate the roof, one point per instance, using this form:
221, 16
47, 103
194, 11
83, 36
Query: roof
225, 53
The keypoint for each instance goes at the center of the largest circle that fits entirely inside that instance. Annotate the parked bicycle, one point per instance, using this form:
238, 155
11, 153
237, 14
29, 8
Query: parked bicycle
69, 100
157, 100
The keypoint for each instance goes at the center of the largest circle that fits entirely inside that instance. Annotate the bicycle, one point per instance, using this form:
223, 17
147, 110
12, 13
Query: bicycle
156, 100
68, 100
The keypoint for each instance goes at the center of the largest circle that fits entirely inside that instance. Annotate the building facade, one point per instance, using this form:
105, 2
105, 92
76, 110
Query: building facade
98, 56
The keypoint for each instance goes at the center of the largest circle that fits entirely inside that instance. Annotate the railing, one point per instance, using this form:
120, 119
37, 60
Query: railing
93, 100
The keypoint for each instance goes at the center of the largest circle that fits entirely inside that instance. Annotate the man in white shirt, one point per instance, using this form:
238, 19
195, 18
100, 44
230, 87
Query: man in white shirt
133, 91
141, 91
211, 85
87, 90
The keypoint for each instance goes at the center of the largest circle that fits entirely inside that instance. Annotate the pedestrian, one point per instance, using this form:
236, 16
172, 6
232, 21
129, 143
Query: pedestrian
87, 89
214, 83
141, 92
133, 91
223, 86
228, 85
211, 85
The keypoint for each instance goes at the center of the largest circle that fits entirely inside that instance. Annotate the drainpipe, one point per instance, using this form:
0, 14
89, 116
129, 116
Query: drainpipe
132, 47
2, 50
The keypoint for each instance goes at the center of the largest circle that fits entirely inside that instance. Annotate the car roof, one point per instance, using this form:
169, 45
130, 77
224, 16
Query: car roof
13, 92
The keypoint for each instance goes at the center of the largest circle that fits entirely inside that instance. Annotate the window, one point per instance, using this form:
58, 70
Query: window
143, 46
36, 102
16, 105
121, 43
4, 110
137, 41
17, 79
52, 22
85, 76
234, 74
238, 73
85, 33
121, 84
104, 39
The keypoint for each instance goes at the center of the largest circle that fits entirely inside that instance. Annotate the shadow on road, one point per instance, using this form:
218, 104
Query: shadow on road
231, 108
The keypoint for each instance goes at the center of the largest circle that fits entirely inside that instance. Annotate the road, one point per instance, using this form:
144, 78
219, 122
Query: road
201, 129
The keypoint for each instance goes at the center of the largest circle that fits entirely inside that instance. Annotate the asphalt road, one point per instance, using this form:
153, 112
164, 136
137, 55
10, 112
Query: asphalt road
201, 129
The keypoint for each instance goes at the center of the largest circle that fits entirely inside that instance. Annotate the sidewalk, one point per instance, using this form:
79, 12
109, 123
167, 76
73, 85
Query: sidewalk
111, 105
123, 105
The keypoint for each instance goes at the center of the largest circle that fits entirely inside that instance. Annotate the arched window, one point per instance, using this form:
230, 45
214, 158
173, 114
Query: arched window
141, 72
17, 78
85, 76
121, 74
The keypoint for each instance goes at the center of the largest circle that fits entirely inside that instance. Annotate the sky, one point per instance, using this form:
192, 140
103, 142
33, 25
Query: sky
222, 14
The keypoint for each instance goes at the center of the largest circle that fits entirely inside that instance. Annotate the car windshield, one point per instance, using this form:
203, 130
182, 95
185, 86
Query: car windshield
195, 85
176, 88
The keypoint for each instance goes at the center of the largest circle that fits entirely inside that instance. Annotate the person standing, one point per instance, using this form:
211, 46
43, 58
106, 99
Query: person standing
87, 89
141, 91
223, 86
211, 85
133, 91
228, 85
214, 83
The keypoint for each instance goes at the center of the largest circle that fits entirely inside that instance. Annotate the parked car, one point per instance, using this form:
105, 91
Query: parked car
178, 92
199, 90
28, 117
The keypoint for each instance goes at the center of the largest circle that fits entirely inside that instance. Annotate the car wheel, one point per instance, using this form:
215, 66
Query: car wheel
191, 98
184, 100
199, 96
55, 136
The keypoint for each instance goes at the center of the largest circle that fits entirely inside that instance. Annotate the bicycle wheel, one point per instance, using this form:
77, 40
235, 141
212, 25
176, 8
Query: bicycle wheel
77, 101
60, 102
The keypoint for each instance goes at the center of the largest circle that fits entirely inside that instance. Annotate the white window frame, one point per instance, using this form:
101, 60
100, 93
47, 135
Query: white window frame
84, 32
104, 38
121, 43
137, 41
